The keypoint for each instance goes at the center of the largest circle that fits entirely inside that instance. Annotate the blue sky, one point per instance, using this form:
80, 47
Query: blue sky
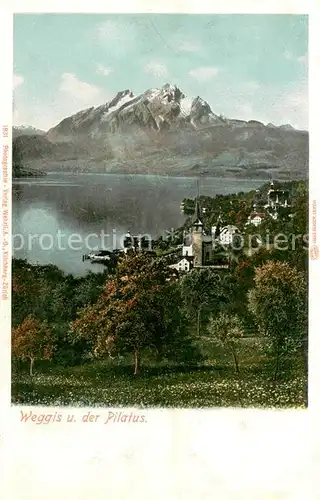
245, 66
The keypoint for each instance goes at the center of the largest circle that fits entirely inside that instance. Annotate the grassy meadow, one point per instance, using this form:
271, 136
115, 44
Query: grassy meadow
211, 383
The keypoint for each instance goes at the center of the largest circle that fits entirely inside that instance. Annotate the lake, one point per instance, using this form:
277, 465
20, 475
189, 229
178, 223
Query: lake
58, 218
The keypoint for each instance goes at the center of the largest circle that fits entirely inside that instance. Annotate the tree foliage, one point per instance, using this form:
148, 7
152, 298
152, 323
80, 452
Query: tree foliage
226, 331
202, 293
32, 340
278, 301
138, 309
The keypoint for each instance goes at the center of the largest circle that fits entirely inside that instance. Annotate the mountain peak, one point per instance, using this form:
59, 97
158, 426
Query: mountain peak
287, 126
201, 114
154, 110
168, 86
163, 130
120, 96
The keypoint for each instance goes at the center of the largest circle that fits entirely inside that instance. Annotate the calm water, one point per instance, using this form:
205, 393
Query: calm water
52, 216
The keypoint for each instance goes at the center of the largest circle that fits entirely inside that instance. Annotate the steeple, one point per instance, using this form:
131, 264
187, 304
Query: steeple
197, 220
271, 185
197, 209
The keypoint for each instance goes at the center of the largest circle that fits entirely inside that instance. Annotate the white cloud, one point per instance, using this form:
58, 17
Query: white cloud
72, 95
243, 111
276, 104
278, 107
204, 73
75, 88
187, 46
156, 68
17, 80
303, 59
300, 59
103, 70
294, 106
288, 55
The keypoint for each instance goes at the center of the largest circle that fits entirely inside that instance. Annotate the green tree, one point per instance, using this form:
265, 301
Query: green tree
33, 289
201, 293
139, 309
299, 226
278, 302
32, 340
236, 285
300, 208
226, 331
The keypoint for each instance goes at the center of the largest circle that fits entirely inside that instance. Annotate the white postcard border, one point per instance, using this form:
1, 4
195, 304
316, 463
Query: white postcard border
223, 454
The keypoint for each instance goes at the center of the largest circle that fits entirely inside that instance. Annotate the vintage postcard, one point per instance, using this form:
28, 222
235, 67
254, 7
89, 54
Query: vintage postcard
159, 251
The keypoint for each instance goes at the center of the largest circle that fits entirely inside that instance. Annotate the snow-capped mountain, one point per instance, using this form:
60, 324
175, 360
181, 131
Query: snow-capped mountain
162, 130
155, 109
201, 114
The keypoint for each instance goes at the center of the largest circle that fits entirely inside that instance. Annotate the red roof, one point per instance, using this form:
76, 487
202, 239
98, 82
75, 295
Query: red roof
257, 214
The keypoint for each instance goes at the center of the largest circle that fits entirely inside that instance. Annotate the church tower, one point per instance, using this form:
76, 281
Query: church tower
197, 236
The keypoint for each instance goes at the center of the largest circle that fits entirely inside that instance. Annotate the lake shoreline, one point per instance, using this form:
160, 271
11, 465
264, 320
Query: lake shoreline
253, 171
172, 175
91, 206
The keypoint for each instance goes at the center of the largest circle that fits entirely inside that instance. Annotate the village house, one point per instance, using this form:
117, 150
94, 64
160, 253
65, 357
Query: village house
184, 265
256, 218
277, 202
225, 235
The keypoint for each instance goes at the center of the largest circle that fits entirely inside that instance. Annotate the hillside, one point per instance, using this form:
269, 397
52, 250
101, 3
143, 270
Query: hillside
161, 131
26, 130
26, 148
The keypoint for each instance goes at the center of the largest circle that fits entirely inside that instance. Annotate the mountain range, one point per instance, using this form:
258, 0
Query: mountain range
26, 130
161, 131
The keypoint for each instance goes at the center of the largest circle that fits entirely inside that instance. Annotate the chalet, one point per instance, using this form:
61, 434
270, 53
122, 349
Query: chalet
256, 218
184, 265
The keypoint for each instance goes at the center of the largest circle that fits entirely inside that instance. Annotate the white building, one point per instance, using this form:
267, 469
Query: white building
277, 198
225, 235
256, 218
182, 265
187, 251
